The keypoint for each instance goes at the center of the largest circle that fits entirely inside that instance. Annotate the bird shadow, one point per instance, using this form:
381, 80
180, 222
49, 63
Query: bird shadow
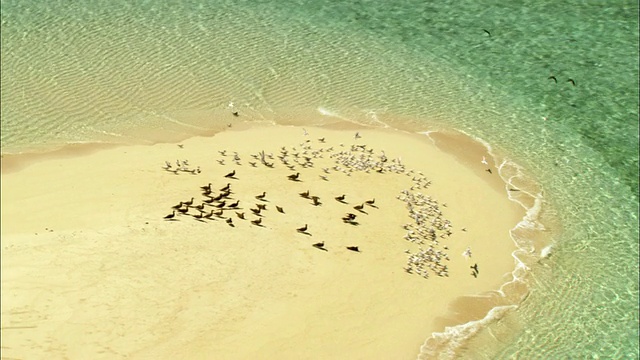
364, 212
305, 233
321, 248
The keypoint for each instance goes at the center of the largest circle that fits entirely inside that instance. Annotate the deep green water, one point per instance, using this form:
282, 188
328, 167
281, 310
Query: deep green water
109, 71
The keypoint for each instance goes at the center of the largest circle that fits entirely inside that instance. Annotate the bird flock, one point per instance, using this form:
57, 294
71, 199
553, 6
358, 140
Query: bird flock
218, 202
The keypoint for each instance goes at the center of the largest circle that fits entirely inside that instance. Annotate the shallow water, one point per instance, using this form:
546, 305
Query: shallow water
117, 72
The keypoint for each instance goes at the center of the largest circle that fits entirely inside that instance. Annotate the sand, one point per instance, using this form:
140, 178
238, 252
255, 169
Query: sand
91, 269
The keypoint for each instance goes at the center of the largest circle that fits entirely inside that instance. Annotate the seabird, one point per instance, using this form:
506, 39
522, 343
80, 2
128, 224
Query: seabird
359, 207
321, 140
319, 245
572, 82
489, 171
370, 202
340, 198
221, 204
256, 222
262, 196
553, 78
226, 187
199, 207
235, 113
240, 215
353, 248
487, 31
351, 216
475, 274
305, 194
189, 203
357, 135
261, 206
170, 216
475, 268
208, 201
252, 163
293, 177
280, 210
206, 187
316, 200
180, 146
219, 212
484, 161
302, 229
198, 215
209, 215
177, 206
183, 211
255, 211
235, 204
221, 162
230, 221
324, 177
231, 174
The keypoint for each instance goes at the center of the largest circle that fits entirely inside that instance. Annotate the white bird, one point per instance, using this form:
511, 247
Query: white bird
467, 253
484, 160
305, 132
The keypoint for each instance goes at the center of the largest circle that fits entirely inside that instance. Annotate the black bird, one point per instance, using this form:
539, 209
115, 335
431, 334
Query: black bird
370, 202
177, 206
261, 206
316, 200
319, 245
293, 177
208, 201
209, 215
235, 113
305, 194
261, 196
340, 198
475, 274
351, 216
199, 207
221, 205
489, 171
170, 216
280, 210
206, 187
359, 207
230, 221
240, 215
321, 140
231, 174
353, 248
571, 81
219, 212
302, 229
226, 187
475, 268
184, 211
553, 78
256, 222
235, 204
255, 211
189, 203
487, 31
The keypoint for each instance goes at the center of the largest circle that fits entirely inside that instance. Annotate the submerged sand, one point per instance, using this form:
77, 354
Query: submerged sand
91, 269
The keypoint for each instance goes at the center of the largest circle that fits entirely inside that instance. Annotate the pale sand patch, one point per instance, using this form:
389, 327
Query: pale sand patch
91, 270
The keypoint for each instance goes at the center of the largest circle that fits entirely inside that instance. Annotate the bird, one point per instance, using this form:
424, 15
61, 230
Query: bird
571, 81
353, 248
180, 146
170, 216
256, 211
305, 194
489, 171
293, 177
553, 78
235, 204
199, 207
208, 201
319, 245
324, 177
321, 140
198, 215
206, 187
231, 174
357, 135
257, 221
189, 203
350, 216
261, 196
475, 268
184, 211
302, 229
340, 198
484, 161
370, 202
240, 215
226, 187
221, 204
261, 206
280, 210
487, 31
177, 206
359, 207
475, 274
219, 212
316, 200
235, 113
230, 221
209, 215
252, 163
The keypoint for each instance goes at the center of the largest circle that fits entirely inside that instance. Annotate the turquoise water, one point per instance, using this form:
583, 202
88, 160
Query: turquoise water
117, 72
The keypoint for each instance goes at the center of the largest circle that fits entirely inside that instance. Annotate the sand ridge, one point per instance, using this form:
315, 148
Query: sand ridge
114, 267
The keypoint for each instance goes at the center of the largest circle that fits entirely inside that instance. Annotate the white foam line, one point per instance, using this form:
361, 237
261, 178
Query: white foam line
180, 122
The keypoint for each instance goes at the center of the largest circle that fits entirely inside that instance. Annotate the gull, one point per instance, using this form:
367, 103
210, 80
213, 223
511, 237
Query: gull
294, 177
467, 253
231, 174
484, 160
280, 210
302, 229
221, 162
305, 132
340, 198
324, 177
256, 222
261, 196
475, 268
240, 215
170, 216
305, 194
319, 245
353, 248
357, 135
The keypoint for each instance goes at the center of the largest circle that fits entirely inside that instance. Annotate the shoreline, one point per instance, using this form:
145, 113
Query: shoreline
403, 145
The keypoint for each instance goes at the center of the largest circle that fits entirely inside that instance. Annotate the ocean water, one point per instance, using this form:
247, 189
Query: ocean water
139, 72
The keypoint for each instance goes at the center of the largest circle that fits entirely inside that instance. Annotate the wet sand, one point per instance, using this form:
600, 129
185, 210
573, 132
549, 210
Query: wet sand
91, 269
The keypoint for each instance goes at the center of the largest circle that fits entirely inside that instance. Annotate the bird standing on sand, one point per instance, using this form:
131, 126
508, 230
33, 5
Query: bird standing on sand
305, 194
316, 200
231, 174
370, 202
235, 204
293, 177
188, 203
255, 211
256, 222
340, 198
226, 188
302, 229
230, 221
177, 206
280, 210
240, 215
319, 245
262, 196
353, 248
475, 268
359, 207
484, 161
170, 216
